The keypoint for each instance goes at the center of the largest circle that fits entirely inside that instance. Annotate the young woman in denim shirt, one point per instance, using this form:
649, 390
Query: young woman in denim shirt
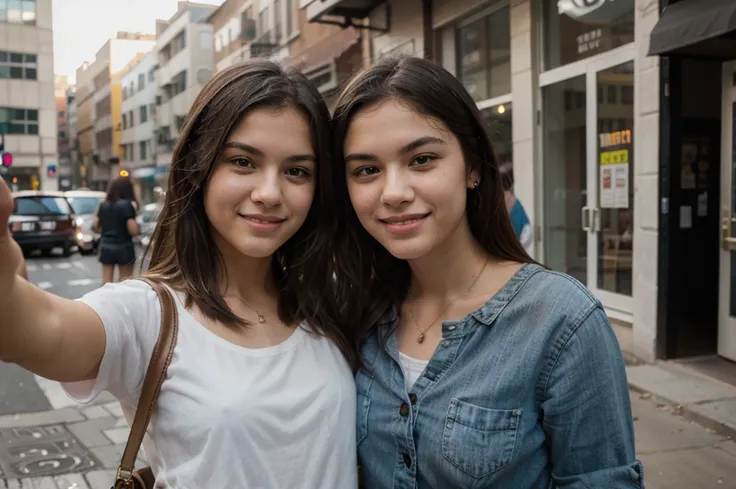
480, 367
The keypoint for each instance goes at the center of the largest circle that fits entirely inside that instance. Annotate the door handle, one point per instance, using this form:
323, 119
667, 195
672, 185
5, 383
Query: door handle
585, 218
596, 221
728, 242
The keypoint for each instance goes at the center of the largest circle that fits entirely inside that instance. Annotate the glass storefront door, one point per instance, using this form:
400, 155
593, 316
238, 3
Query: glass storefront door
727, 267
588, 183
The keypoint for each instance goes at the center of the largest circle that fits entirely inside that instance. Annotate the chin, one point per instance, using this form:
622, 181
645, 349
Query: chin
407, 250
257, 248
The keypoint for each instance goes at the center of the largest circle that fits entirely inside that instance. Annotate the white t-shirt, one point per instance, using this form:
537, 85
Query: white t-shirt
281, 417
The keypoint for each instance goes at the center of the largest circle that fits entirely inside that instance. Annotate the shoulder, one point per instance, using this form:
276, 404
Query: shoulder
553, 303
131, 301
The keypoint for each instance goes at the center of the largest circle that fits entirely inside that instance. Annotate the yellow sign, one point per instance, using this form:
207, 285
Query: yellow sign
124, 173
614, 157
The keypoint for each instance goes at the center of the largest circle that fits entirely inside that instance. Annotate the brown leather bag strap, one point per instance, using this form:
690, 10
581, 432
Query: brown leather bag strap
155, 375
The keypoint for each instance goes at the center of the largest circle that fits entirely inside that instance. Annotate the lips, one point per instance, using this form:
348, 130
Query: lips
403, 224
262, 223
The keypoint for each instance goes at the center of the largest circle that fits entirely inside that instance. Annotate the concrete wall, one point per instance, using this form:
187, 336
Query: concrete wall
140, 131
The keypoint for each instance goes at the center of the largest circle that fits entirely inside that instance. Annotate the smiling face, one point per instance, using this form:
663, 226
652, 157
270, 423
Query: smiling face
407, 179
263, 183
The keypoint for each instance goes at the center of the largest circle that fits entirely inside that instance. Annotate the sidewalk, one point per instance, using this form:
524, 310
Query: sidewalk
72, 446
697, 397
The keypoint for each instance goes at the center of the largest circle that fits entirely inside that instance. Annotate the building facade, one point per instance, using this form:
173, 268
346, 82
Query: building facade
72, 136
138, 116
623, 159
185, 58
28, 115
64, 170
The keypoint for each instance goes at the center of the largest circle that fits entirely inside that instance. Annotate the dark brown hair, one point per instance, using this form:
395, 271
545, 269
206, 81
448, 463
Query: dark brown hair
183, 251
372, 280
120, 189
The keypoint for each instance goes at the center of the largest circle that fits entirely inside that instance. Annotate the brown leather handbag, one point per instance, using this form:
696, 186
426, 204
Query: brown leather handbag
126, 477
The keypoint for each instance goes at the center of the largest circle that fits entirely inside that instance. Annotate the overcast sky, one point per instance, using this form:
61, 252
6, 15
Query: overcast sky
81, 27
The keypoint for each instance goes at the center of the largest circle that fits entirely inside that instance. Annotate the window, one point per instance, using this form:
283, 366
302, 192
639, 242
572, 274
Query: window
292, 17
144, 113
277, 12
125, 93
143, 147
141, 81
263, 21
179, 84
125, 121
578, 30
484, 55
18, 11
41, 206
18, 121
152, 74
131, 119
18, 66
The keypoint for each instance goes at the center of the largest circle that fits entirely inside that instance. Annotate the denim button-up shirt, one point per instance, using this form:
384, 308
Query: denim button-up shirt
527, 392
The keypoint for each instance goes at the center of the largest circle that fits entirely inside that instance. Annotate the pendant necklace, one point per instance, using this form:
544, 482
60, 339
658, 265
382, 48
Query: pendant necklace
261, 319
420, 338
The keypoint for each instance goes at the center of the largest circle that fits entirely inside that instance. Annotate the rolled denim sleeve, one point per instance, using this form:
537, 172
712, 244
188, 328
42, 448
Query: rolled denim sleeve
587, 411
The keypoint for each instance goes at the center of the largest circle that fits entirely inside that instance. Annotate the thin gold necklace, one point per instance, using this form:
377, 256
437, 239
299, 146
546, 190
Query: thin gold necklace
420, 338
261, 319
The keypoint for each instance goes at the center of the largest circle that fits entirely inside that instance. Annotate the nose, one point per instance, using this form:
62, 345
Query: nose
397, 189
268, 190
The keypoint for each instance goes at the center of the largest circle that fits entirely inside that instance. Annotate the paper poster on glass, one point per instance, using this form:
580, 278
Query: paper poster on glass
614, 169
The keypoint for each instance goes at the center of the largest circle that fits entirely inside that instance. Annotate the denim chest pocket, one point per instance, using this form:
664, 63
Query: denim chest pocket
363, 381
479, 441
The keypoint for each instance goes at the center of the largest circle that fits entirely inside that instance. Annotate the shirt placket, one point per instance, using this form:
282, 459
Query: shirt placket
405, 476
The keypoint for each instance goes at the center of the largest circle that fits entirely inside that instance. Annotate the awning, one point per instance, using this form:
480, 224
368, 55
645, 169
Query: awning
696, 28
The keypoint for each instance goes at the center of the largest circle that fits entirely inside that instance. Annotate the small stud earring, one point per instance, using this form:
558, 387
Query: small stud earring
475, 185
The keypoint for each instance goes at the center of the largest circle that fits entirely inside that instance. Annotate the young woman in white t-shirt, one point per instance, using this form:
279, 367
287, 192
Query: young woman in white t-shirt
260, 392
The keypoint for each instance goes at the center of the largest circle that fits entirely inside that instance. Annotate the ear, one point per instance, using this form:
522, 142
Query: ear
473, 179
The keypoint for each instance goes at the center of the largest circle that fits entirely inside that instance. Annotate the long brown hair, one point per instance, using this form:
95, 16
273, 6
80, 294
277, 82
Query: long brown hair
183, 251
370, 280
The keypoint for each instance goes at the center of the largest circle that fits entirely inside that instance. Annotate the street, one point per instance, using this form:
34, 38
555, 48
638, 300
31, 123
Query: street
49, 442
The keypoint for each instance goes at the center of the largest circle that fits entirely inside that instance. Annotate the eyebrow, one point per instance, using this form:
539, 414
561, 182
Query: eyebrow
257, 152
414, 145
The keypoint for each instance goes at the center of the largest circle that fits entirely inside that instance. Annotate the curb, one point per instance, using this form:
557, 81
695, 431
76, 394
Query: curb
692, 412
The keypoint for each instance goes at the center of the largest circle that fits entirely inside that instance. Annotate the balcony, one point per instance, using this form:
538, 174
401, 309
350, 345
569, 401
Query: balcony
347, 9
265, 44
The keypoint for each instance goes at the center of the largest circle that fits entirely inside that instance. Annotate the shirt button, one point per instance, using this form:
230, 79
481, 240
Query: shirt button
404, 410
413, 399
451, 328
407, 460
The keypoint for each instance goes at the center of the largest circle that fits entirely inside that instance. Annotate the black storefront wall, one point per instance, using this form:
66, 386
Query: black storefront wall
692, 45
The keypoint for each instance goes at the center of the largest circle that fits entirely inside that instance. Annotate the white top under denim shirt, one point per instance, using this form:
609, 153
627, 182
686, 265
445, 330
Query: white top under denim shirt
229, 417
527, 392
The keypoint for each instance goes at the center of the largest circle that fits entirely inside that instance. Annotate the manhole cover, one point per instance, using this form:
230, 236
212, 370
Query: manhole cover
41, 451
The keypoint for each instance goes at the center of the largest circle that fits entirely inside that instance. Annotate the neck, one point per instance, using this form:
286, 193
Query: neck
246, 277
449, 270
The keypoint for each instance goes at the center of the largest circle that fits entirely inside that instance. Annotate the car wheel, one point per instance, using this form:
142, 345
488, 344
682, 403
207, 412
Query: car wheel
66, 250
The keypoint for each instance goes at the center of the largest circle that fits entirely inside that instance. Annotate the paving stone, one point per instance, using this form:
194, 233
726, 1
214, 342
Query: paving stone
59, 399
702, 468
109, 455
117, 435
100, 479
95, 412
114, 408
90, 432
56, 416
71, 481
39, 483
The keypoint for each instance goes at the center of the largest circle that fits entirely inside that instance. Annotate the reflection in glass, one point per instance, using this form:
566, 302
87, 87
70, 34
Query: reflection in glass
498, 124
579, 29
732, 285
616, 181
565, 194
484, 55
